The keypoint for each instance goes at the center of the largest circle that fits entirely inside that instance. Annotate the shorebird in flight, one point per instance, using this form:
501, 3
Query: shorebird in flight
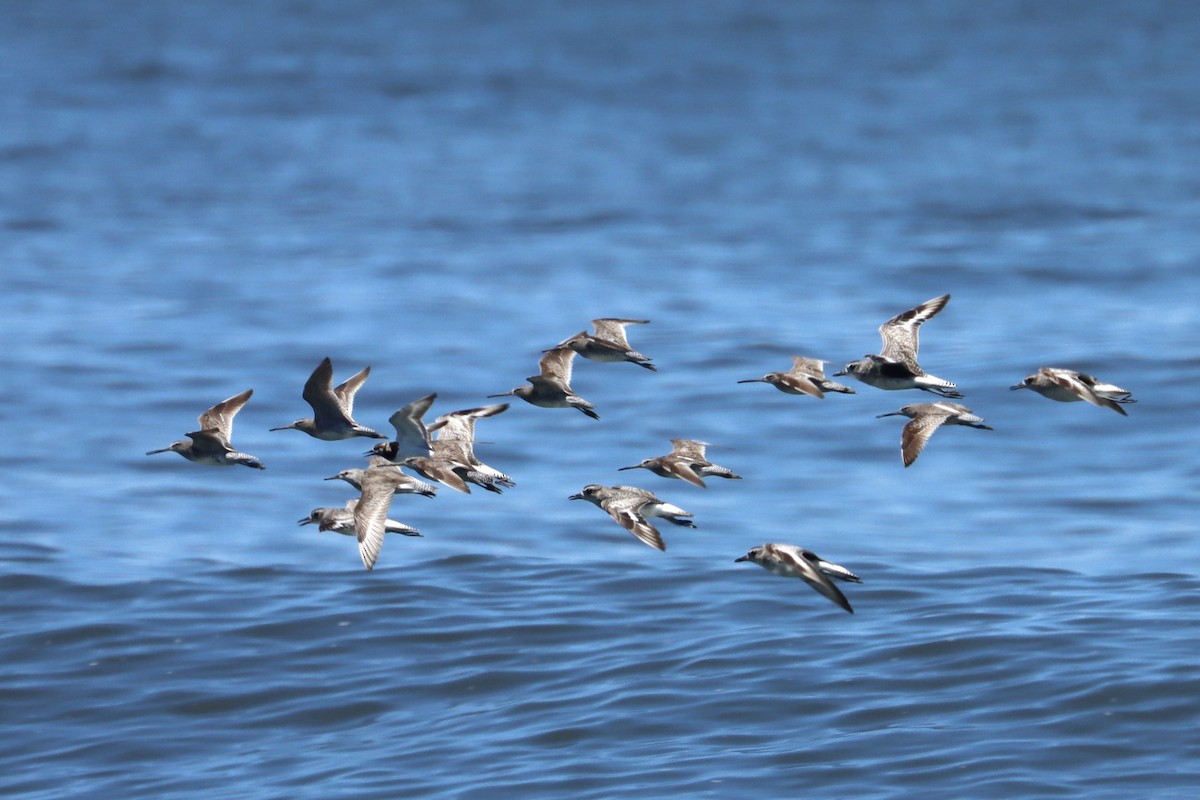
609, 343
1069, 386
333, 408
210, 445
925, 418
807, 376
791, 561
551, 388
896, 366
631, 507
686, 461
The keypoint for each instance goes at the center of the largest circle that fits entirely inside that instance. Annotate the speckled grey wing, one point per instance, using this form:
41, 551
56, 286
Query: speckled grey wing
402, 479
370, 515
917, 432
641, 495
318, 393
689, 448
623, 508
955, 410
613, 330
458, 450
899, 334
812, 367
556, 366
220, 417
412, 437
389, 525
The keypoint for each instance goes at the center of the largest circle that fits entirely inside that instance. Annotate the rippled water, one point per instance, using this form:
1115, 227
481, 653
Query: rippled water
199, 199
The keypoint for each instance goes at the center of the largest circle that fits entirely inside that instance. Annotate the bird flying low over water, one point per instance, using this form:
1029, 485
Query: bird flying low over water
369, 513
456, 442
450, 459
807, 376
412, 436
404, 484
686, 461
896, 367
609, 342
631, 507
927, 418
333, 408
461, 424
551, 388
341, 520
210, 445
1069, 386
791, 561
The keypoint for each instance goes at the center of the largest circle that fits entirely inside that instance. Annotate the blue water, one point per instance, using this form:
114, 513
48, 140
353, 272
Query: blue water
200, 198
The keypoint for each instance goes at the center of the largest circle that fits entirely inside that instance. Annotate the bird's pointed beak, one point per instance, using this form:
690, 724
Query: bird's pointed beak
331, 478
575, 497
888, 414
306, 521
839, 373
1017, 386
282, 428
753, 380
743, 558
502, 394
631, 466
160, 450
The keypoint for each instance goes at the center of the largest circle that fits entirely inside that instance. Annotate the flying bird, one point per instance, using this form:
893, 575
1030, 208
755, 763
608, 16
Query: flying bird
412, 436
807, 376
210, 445
609, 342
925, 418
686, 461
404, 483
333, 408
631, 507
791, 561
1069, 386
551, 388
341, 520
896, 367
371, 511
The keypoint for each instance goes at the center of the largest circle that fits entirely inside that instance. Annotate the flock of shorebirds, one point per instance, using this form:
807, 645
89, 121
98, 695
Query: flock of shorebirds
443, 451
